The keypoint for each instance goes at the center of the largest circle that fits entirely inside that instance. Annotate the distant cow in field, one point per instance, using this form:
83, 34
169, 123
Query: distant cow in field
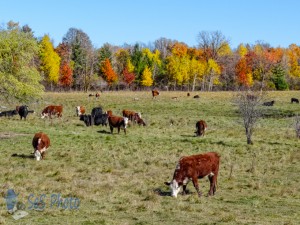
201, 127
193, 168
97, 95
8, 113
271, 103
155, 93
23, 111
52, 110
294, 100
188, 94
80, 110
87, 119
40, 143
196, 96
131, 115
117, 122
98, 117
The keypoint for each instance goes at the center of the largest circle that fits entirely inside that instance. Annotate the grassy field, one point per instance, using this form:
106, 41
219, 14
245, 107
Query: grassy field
119, 179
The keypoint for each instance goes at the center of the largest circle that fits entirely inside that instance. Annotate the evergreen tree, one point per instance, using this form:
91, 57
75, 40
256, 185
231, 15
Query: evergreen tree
278, 78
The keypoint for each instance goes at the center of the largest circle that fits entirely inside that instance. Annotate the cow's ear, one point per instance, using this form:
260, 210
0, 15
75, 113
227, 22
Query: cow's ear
167, 183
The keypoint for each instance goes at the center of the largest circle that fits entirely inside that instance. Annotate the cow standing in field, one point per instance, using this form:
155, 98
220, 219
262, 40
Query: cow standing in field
131, 115
23, 111
294, 100
52, 110
201, 127
155, 93
80, 110
271, 103
117, 122
40, 143
193, 168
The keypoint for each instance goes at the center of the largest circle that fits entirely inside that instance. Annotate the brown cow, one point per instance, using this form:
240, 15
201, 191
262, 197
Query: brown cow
80, 110
118, 122
52, 110
40, 143
140, 121
155, 93
201, 127
193, 168
131, 115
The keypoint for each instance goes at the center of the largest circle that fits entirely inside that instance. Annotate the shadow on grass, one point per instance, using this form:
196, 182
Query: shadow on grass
160, 192
103, 132
23, 156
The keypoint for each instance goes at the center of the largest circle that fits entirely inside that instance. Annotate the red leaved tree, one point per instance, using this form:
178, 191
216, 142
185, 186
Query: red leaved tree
66, 75
128, 76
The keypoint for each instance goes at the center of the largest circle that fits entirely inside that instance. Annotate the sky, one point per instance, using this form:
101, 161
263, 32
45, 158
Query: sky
276, 22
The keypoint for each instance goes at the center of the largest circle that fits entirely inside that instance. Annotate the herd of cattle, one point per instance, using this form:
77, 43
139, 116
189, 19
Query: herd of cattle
188, 168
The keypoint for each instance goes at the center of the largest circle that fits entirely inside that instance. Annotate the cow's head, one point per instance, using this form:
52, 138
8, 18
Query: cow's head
43, 115
125, 121
37, 155
174, 186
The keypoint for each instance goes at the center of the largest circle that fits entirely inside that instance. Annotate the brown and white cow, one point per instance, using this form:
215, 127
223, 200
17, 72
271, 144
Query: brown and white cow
131, 115
201, 127
117, 122
80, 110
40, 143
193, 168
52, 110
155, 93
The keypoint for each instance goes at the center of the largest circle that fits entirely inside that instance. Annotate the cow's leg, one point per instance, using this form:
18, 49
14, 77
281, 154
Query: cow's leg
125, 130
119, 129
184, 189
111, 129
212, 179
195, 183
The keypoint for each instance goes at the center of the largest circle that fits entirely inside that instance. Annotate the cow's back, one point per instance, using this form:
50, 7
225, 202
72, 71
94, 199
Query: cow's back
202, 164
45, 141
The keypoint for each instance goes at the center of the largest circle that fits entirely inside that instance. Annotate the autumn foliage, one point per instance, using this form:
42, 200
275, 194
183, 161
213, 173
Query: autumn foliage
128, 76
66, 75
109, 74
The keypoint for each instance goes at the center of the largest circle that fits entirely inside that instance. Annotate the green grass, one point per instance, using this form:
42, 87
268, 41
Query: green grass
119, 179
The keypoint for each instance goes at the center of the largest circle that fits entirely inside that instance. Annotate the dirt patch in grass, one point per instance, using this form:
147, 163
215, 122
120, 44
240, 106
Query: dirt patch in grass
6, 135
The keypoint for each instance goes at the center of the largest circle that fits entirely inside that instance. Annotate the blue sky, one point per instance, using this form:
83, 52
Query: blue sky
129, 21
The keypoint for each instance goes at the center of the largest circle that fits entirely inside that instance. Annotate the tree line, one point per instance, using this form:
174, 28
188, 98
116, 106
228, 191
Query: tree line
29, 65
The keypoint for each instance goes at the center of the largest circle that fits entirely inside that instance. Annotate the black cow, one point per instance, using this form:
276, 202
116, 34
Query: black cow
271, 103
294, 100
97, 117
23, 111
8, 113
87, 119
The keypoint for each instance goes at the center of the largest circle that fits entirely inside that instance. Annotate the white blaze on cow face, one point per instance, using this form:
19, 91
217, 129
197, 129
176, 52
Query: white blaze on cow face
175, 188
43, 115
125, 122
38, 155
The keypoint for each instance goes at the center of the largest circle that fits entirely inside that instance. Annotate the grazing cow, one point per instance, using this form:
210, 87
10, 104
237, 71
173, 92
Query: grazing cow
80, 110
154, 93
98, 117
118, 122
90, 95
131, 115
196, 96
8, 113
294, 100
201, 127
40, 143
109, 113
87, 119
52, 110
271, 103
188, 94
193, 168
23, 111
97, 95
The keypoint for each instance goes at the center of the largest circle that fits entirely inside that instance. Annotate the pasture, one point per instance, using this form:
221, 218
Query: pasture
119, 179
